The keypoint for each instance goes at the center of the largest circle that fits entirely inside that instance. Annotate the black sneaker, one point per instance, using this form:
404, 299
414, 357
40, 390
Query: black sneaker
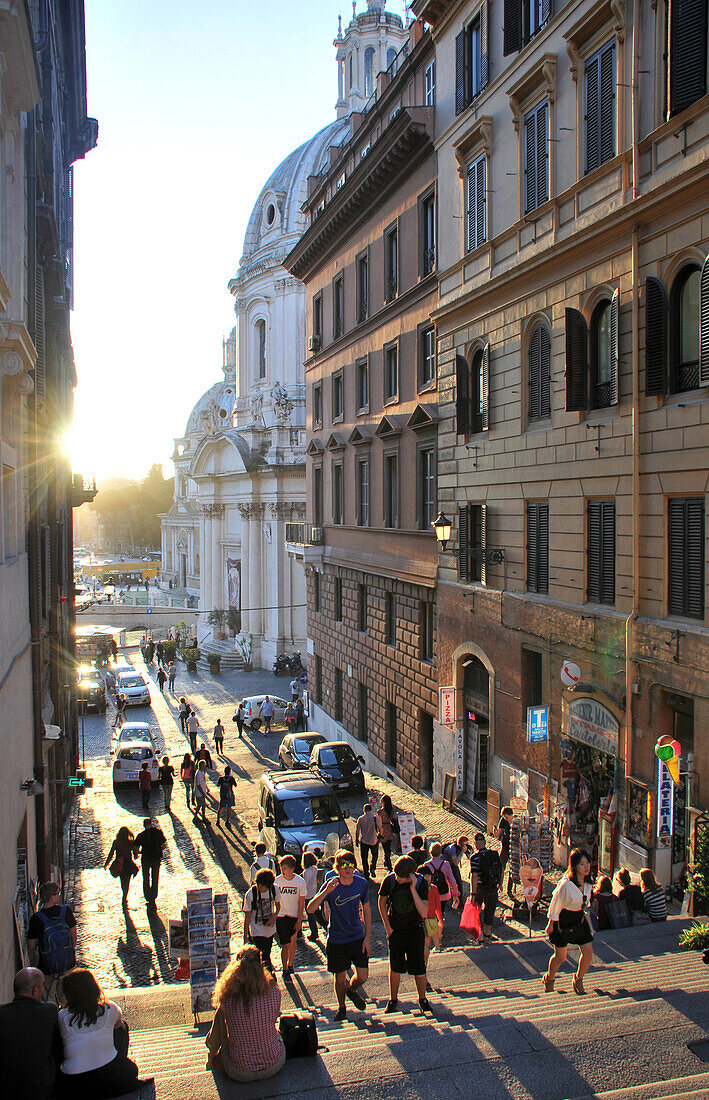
392, 1006
357, 999
341, 1014
425, 1004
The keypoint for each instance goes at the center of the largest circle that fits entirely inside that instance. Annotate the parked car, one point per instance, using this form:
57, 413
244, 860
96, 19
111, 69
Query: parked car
134, 688
129, 760
252, 710
297, 810
295, 749
90, 691
132, 731
114, 669
336, 764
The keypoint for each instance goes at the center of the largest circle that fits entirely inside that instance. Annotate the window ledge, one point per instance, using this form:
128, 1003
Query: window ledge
542, 425
427, 386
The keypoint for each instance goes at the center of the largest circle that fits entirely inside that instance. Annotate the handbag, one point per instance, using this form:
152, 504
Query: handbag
470, 919
116, 867
618, 914
639, 917
299, 1034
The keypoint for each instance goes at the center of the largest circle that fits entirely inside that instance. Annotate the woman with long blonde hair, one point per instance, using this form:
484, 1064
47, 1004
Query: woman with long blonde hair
244, 1039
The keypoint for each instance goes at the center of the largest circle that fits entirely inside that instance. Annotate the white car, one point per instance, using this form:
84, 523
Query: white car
132, 731
133, 687
129, 760
252, 710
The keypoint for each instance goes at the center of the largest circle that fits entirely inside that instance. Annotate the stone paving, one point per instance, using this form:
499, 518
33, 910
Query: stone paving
130, 949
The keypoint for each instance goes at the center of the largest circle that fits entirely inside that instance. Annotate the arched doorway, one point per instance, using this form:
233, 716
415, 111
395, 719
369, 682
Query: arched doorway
476, 727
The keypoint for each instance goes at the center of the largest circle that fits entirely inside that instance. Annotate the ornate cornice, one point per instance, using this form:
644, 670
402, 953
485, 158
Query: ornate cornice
252, 510
213, 511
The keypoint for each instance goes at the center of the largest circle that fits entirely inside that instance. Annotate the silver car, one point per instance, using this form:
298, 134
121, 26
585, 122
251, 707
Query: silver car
133, 687
253, 706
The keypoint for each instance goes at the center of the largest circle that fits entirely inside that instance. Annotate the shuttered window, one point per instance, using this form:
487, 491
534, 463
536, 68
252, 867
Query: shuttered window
601, 551
687, 52
538, 546
576, 361
536, 157
475, 204
685, 557
472, 539
40, 368
704, 325
655, 337
473, 392
523, 19
462, 395
540, 374
471, 60
600, 107
592, 373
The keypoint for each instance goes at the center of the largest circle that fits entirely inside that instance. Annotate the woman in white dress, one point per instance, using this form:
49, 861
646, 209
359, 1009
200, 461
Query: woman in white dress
568, 920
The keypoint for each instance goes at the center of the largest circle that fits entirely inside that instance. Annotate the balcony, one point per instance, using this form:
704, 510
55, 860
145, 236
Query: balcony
428, 261
83, 490
303, 534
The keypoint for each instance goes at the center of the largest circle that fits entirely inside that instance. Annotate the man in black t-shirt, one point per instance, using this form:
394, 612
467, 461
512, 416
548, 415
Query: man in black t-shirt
503, 833
403, 906
485, 878
151, 844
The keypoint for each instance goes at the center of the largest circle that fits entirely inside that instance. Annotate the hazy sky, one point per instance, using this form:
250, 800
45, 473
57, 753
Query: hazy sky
196, 104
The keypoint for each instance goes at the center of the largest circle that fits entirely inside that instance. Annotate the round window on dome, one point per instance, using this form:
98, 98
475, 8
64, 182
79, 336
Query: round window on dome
270, 214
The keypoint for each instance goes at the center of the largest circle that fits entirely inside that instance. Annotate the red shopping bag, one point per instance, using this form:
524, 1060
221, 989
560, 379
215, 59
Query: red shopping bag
470, 919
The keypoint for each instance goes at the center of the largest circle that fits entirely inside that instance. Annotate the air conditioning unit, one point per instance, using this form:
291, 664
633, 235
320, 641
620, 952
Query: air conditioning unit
315, 343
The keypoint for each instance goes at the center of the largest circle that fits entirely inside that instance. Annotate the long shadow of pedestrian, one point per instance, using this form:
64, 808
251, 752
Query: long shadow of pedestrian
159, 933
136, 957
185, 845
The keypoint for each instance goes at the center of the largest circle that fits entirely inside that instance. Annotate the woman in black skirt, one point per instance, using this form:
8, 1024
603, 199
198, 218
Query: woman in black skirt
568, 920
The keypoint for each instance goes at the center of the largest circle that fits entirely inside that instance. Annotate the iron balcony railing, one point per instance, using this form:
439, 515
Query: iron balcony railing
304, 534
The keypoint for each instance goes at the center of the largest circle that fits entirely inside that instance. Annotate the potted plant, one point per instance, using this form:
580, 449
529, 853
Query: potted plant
243, 644
217, 618
214, 660
190, 656
169, 648
698, 877
234, 621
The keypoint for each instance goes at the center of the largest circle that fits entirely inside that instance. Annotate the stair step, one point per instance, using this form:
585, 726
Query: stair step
676, 1088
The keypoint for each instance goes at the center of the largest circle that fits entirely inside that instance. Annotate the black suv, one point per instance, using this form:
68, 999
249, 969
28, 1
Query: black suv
297, 812
336, 764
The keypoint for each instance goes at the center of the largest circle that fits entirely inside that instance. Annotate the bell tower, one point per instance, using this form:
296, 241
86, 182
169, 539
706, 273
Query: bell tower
367, 47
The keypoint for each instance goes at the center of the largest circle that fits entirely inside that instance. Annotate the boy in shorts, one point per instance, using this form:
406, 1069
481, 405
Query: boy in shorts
290, 917
349, 933
403, 906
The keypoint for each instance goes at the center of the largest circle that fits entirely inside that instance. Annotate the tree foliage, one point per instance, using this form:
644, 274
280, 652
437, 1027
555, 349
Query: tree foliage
130, 510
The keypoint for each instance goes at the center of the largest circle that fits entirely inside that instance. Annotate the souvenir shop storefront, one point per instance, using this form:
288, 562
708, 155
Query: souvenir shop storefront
586, 810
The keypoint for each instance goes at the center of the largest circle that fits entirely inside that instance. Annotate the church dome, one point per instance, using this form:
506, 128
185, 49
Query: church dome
277, 219
214, 409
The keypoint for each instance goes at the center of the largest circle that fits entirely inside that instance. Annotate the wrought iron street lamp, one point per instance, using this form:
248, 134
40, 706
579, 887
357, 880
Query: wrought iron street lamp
442, 526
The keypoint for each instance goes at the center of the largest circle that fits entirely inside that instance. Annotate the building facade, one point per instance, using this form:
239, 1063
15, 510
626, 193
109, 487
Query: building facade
44, 129
368, 260
573, 366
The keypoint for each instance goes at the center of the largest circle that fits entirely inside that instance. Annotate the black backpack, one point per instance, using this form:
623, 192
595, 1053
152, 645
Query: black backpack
490, 873
299, 1034
438, 878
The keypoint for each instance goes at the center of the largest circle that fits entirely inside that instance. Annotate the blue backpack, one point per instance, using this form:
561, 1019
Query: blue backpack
57, 952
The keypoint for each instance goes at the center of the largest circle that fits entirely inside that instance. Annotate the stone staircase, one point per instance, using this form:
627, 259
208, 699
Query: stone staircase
494, 1032
231, 658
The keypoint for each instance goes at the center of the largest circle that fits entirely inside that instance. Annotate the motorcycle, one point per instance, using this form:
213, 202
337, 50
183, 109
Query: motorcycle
281, 664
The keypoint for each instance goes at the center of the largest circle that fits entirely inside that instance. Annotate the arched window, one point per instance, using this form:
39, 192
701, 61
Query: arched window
684, 330
539, 362
261, 349
601, 355
369, 71
391, 57
350, 81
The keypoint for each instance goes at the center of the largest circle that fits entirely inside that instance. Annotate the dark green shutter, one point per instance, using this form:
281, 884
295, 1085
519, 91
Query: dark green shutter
608, 552
484, 49
542, 155
543, 548
615, 348
513, 26
463, 545
704, 325
686, 561
593, 567
576, 361
695, 558
687, 50
592, 112
532, 546
485, 396
461, 82
656, 337
530, 162
544, 373
534, 366
462, 396
607, 103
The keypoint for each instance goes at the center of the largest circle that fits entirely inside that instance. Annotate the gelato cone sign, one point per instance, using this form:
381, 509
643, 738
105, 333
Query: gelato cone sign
668, 752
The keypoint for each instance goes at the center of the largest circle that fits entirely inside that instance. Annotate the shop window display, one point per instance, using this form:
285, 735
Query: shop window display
586, 788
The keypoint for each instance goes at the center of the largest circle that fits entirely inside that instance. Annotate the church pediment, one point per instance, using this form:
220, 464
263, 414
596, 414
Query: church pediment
221, 455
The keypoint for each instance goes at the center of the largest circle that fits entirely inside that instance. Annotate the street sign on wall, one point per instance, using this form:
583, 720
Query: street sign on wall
537, 724
446, 706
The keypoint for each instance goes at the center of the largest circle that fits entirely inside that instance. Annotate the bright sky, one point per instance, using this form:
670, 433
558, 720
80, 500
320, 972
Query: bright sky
196, 104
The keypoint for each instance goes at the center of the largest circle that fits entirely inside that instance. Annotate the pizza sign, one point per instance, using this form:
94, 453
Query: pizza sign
446, 706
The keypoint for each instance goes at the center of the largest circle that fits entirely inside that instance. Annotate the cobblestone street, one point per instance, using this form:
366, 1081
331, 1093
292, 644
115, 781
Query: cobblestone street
131, 948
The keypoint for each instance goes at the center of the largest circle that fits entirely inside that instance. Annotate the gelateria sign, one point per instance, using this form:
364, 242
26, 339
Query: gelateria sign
593, 724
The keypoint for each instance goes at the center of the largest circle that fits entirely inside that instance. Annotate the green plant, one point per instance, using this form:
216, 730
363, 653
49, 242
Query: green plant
234, 620
698, 876
243, 644
214, 659
169, 648
217, 617
694, 938
191, 655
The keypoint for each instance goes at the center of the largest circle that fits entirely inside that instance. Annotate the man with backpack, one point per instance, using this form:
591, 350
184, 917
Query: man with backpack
51, 936
443, 878
485, 879
151, 844
403, 906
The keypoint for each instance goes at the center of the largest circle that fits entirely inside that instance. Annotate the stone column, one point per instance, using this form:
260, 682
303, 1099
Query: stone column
246, 600
256, 560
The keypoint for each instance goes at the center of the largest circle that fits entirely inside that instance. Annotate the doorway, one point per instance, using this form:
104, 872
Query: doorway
425, 750
476, 704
